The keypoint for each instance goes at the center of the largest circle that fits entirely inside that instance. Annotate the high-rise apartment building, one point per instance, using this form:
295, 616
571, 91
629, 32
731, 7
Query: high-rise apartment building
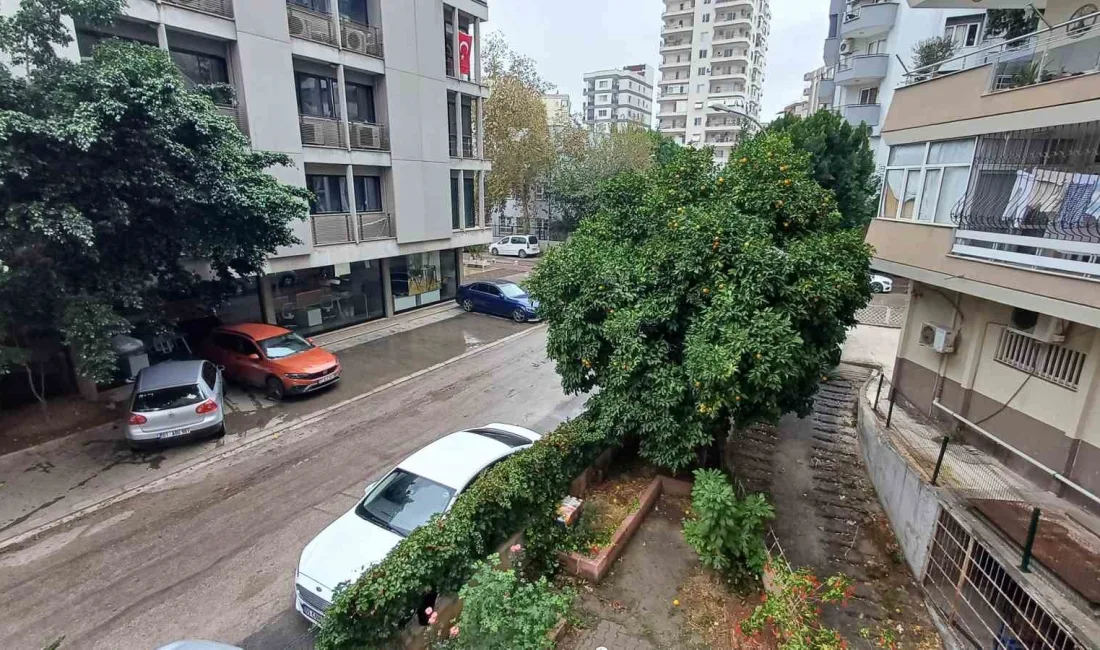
379, 103
819, 89
711, 53
616, 98
558, 109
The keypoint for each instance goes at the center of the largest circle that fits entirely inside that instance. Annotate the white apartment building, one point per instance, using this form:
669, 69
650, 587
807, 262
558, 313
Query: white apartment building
712, 52
559, 108
382, 120
819, 89
865, 39
615, 98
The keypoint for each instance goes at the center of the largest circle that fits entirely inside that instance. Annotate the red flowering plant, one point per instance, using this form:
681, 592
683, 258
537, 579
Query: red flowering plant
793, 608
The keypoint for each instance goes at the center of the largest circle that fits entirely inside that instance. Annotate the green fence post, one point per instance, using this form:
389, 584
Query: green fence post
1032, 529
939, 461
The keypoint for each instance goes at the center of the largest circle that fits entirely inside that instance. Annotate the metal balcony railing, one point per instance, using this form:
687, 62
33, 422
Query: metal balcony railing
365, 135
332, 228
321, 131
452, 145
234, 112
361, 38
468, 146
310, 25
375, 225
223, 8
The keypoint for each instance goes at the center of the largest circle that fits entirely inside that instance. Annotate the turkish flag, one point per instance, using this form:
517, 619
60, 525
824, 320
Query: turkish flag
465, 44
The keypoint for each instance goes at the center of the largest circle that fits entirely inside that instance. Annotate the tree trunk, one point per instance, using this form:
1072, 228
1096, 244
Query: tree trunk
39, 395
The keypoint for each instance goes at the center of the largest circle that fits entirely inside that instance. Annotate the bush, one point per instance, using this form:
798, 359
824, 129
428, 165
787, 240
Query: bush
727, 533
501, 611
793, 608
440, 555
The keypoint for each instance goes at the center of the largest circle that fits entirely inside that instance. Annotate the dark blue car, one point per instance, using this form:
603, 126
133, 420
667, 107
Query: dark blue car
498, 297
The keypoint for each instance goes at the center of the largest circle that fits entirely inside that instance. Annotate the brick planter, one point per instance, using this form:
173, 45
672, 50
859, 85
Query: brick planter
594, 569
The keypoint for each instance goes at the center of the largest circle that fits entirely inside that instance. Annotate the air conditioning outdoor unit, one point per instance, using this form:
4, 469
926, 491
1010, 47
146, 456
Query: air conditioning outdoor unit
1043, 328
845, 47
309, 133
365, 136
937, 337
297, 26
354, 39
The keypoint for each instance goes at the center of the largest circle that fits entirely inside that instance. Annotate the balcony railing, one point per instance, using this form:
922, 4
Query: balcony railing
222, 8
310, 25
364, 39
1065, 50
467, 146
365, 135
234, 112
321, 131
332, 228
375, 225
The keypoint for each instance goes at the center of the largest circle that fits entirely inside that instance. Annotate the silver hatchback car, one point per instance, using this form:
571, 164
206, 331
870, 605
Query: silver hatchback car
176, 400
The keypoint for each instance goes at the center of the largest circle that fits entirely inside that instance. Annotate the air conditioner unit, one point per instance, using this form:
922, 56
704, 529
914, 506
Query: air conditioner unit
937, 337
365, 136
354, 39
309, 134
1043, 328
845, 47
297, 26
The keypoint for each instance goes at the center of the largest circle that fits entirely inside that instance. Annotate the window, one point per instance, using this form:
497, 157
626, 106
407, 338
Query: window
868, 95
320, 6
605, 83
876, 47
701, 71
403, 501
964, 31
698, 121
201, 69
702, 54
209, 374
284, 345
706, 17
355, 10
1055, 363
360, 102
602, 112
317, 96
456, 223
833, 21
469, 200
330, 193
167, 398
368, 194
925, 181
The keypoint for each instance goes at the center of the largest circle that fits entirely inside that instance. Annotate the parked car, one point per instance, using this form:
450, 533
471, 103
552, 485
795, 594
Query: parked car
499, 297
521, 245
421, 486
269, 357
881, 284
176, 400
197, 644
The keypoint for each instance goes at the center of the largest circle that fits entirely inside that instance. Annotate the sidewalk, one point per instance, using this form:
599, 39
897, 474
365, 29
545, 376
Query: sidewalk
41, 484
869, 345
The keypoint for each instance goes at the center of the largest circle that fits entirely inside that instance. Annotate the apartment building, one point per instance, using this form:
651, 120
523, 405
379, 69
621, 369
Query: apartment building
819, 89
619, 98
991, 207
559, 109
711, 53
867, 37
380, 105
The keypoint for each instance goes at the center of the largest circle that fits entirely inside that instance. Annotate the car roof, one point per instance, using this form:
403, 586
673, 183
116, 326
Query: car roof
498, 283
255, 331
455, 459
169, 374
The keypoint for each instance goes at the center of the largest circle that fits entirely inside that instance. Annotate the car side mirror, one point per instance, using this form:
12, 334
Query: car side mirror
253, 357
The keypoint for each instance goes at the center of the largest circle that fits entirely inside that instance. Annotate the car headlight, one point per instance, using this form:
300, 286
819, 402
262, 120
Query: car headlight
296, 375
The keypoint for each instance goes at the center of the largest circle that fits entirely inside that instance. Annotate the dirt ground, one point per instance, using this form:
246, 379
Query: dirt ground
28, 425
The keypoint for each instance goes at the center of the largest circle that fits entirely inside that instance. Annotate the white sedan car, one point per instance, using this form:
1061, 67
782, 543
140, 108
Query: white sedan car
424, 484
881, 284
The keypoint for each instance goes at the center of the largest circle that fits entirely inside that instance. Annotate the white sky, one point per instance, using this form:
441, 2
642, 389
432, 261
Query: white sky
570, 37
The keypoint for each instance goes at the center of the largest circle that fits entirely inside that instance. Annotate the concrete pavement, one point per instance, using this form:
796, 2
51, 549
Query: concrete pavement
212, 553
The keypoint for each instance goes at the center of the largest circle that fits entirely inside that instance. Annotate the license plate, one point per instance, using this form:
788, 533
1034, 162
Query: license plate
174, 433
310, 614
326, 379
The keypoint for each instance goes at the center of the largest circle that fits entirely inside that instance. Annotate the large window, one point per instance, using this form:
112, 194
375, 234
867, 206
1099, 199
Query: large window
964, 31
327, 297
470, 201
456, 222
330, 193
354, 10
201, 69
368, 194
360, 102
925, 181
317, 96
320, 6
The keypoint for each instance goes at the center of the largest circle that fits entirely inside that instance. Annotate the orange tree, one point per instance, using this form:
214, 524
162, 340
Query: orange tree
695, 299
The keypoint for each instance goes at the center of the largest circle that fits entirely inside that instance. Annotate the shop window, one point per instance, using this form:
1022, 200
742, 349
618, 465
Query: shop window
315, 300
415, 280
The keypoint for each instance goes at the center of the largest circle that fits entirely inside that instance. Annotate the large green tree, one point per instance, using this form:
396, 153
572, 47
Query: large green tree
117, 183
698, 299
841, 160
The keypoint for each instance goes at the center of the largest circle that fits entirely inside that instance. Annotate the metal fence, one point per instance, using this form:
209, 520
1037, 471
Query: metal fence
361, 38
881, 315
222, 8
321, 131
310, 25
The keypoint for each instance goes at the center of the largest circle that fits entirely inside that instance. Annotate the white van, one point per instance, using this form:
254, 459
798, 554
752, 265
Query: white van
521, 245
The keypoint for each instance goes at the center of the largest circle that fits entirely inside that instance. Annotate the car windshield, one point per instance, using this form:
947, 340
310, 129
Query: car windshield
403, 501
163, 399
512, 290
284, 345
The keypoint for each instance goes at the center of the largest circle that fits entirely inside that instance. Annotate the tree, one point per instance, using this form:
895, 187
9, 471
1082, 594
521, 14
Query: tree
841, 160
697, 299
930, 51
1010, 23
582, 163
117, 183
517, 137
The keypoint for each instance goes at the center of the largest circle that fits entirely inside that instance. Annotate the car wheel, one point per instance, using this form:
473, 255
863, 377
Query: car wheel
494, 251
467, 305
274, 389
876, 287
519, 316
220, 433
522, 253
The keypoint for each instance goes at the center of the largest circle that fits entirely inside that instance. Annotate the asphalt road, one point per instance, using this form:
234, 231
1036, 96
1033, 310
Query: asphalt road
212, 554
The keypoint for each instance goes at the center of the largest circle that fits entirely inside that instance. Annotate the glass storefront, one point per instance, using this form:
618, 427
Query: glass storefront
315, 300
423, 278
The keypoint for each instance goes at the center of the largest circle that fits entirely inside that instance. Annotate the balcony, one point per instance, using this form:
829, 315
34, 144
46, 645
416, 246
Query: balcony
675, 11
469, 146
857, 114
374, 225
831, 52
868, 20
733, 38
321, 131
361, 38
311, 25
862, 70
368, 136
676, 29
342, 228
223, 8
233, 111
674, 44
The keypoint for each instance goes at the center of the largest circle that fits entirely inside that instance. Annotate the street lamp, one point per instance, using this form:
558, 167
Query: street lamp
733, 111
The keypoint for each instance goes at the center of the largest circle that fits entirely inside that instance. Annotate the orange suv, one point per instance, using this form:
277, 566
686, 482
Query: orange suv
272, 358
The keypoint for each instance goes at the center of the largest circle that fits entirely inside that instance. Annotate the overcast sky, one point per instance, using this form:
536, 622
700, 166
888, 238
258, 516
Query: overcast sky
570, 37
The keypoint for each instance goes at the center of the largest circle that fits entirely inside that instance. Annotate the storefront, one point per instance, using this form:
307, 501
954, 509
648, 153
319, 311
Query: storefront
325, 298
423, 278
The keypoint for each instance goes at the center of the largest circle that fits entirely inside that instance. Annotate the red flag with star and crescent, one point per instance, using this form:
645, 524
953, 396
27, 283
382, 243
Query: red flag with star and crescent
465, 44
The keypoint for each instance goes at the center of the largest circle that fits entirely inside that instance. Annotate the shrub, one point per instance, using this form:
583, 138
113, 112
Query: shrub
793, 609
502, 611
726, 532
439, 555
931, 51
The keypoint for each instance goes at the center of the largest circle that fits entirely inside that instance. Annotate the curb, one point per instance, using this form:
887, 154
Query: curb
266, 434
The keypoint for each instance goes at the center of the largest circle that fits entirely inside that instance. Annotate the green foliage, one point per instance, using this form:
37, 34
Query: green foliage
841, 160
727, 532
931, 51
439, 555
1010, 23
112, 175
696, 299
793, 607
502, 611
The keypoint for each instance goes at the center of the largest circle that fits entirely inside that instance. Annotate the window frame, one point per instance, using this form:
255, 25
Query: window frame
922, 169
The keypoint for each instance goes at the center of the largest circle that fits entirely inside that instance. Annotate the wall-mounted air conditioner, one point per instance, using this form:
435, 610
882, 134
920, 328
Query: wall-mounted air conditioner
1040, 327
937, 337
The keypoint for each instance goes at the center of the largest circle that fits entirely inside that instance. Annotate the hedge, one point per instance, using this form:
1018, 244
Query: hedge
439, 556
